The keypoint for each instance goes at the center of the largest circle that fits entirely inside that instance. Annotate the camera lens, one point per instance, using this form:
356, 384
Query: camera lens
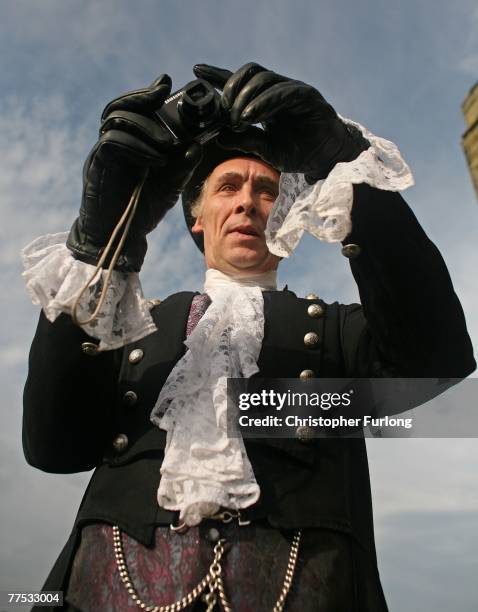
199, 103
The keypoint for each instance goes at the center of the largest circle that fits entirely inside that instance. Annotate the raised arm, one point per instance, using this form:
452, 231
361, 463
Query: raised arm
411, 323
70, 395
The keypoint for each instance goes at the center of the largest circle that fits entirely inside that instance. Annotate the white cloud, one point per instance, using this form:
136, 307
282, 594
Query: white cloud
41, 150
426, 522
428, 561
469, 61
469, 64
428, 475
12, 355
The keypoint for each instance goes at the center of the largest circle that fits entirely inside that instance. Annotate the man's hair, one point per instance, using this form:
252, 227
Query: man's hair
198, 203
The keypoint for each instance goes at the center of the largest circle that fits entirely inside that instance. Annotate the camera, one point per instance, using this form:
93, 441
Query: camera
193, 113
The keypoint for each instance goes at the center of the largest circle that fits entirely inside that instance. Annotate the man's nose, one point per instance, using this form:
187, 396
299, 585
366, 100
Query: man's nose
246, 202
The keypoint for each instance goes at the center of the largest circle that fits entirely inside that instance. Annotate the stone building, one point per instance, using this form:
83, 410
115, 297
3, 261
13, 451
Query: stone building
470, 137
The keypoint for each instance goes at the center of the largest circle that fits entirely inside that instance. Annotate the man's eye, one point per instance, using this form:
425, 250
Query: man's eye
228, 187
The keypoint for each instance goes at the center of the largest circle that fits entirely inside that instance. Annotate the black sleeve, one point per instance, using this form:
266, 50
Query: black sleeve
69, 399
411, 323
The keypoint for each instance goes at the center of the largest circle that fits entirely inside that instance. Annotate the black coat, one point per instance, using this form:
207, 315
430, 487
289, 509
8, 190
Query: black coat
410, 323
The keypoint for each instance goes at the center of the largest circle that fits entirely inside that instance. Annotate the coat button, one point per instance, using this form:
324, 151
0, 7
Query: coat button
307, 374
311, 296
311, 339
135, 356
213, 535
120, 443
351, 251
305, 434
130, 398
315, 311
90, 349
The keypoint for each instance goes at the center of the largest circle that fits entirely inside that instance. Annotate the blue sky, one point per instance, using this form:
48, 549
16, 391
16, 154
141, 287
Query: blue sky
401, 69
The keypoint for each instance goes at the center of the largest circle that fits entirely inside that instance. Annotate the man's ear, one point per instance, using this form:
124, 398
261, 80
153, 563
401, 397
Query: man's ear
197, 228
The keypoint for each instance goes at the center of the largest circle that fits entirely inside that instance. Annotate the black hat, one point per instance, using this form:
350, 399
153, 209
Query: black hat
213, 155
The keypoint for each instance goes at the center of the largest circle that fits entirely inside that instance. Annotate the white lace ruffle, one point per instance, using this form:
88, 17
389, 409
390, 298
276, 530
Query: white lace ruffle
54, 278
205, 465
323, 209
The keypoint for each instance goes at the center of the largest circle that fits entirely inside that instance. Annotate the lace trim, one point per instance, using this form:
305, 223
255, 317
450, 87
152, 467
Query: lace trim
54, 278
323, 209
205, 464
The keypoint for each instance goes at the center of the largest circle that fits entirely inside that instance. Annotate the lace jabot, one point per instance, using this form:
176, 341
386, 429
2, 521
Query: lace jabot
204, 469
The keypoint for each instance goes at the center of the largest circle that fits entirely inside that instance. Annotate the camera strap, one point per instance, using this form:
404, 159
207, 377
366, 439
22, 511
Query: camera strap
126, 218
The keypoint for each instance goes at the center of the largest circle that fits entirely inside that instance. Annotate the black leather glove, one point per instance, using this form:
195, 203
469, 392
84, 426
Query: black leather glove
131, 143
302, 132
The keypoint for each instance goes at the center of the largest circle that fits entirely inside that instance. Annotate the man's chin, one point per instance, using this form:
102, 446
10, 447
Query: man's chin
245, 254
249, 260
241, 259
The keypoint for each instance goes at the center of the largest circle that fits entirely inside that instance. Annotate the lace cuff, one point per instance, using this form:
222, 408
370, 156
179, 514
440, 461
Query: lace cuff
323, 209
54, 278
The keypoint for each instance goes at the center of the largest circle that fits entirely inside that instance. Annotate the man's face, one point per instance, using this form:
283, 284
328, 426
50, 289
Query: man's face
237, 201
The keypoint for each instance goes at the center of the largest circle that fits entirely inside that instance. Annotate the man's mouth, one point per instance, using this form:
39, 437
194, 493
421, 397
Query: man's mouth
246, 230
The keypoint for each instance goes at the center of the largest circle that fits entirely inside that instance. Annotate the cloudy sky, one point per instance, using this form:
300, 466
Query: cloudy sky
402, 69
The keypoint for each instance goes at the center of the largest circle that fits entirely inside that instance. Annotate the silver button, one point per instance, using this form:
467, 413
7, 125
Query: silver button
311, 339
351, 251
311, 296
130, 398
305, 433
315, 311
120, 443
135, 356
307, 374
213, 535
90, 349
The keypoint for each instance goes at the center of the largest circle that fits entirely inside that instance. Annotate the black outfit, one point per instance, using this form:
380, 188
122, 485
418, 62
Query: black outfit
410, 324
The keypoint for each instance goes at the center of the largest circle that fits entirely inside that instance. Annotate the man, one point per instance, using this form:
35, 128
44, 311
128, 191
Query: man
263, 523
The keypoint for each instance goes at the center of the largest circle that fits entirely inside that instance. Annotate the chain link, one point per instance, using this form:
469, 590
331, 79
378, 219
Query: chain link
289, 573
213, 580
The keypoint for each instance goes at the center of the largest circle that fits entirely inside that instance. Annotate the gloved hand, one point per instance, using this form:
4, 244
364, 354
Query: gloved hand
302, 132
131, 142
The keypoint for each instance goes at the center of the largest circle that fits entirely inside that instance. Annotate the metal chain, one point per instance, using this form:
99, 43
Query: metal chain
216, 570
289, 573
174, 607
213, 579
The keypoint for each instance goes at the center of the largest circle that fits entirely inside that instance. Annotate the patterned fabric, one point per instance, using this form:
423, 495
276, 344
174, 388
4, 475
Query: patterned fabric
254, 567
199, 305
